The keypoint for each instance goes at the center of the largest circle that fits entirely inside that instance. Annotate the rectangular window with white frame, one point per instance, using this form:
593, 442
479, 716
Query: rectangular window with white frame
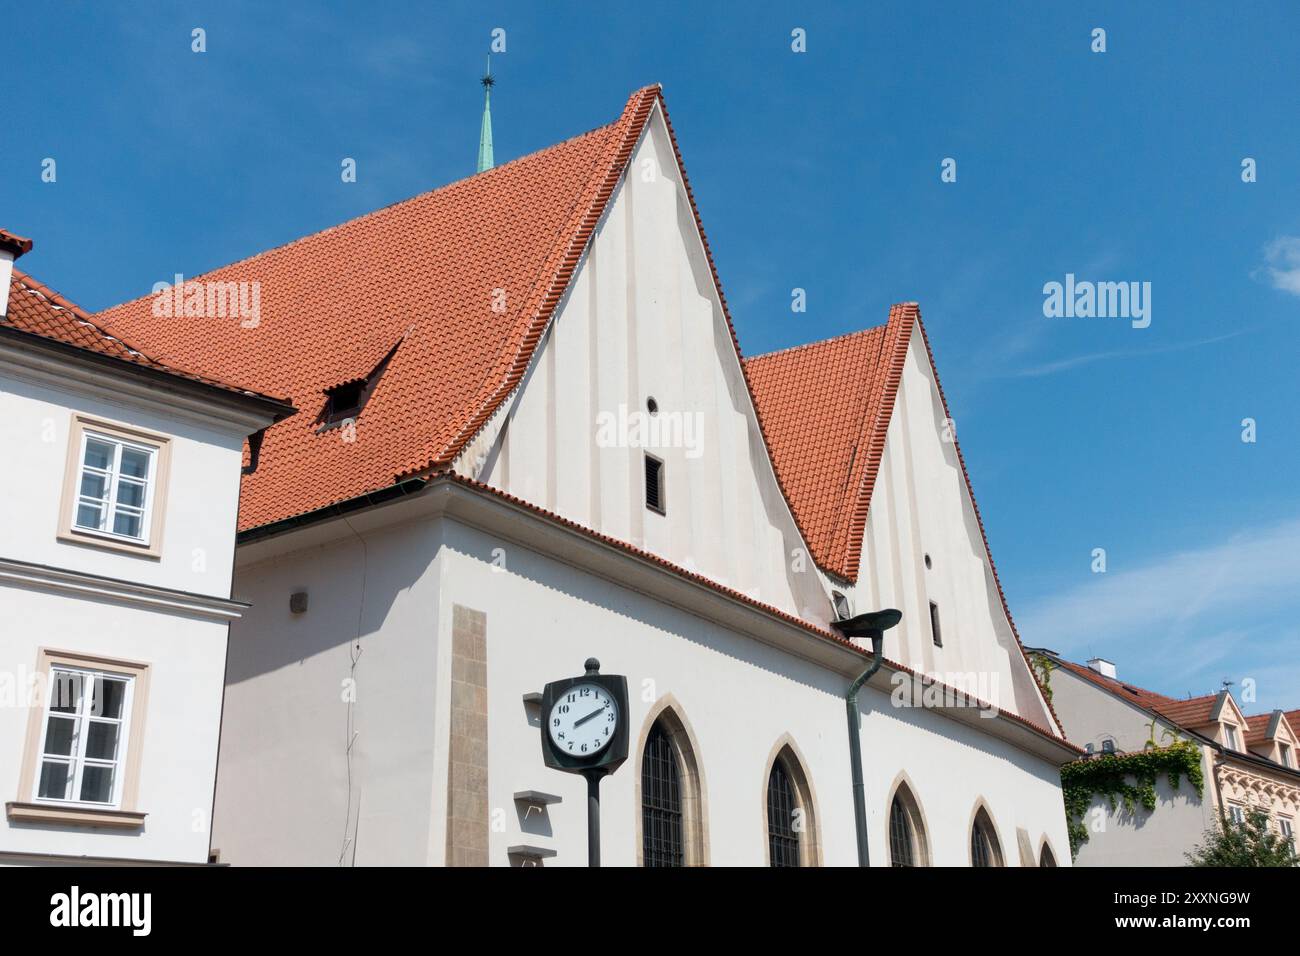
84, 742
115, 486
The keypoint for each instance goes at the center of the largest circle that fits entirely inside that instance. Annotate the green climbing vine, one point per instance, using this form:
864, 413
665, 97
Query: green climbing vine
1110, 775
1043, 667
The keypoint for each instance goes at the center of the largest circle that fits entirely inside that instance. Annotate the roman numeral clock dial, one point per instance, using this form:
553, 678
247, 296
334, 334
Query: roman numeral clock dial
583, 720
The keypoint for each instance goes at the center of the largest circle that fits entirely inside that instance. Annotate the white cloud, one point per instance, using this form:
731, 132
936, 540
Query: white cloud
1282, 264
1182, 622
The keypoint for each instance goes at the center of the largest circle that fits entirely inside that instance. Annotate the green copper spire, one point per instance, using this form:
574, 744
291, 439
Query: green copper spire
485, 160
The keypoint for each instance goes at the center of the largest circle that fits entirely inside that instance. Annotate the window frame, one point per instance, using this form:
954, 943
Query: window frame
918, 834
1231, 738
78, 761
936, 625
662, 507
982, 821
83, 429
787, 755
123, 811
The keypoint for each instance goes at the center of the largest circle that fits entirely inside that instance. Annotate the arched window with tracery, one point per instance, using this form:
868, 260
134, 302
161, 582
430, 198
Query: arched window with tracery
985, 850
908, 845
672, 822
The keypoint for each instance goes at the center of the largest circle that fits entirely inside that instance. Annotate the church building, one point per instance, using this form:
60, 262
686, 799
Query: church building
527, 436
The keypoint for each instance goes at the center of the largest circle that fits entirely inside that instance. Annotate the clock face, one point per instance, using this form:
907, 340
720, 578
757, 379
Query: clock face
582, 720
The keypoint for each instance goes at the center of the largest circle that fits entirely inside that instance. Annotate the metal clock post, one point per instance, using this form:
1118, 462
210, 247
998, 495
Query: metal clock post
584, 731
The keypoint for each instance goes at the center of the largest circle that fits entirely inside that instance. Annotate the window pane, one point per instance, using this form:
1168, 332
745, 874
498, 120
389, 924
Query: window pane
135, 463
94, 485
54, 780
99, 454
126, 524
90, 515
60, 734
109, 696
101, 740
97, 784
65, 692
130, 493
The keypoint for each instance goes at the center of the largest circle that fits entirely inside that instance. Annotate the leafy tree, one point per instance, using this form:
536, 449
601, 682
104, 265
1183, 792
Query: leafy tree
1250, 843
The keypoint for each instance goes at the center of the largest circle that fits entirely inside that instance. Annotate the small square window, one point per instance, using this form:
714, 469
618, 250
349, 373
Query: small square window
344, 402
654, 484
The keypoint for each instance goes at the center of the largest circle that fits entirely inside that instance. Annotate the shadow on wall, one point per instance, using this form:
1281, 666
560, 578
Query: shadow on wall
351, 589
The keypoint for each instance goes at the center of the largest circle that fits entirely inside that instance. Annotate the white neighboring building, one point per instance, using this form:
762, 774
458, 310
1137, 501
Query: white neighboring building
1247, 763
458, 516
115, 571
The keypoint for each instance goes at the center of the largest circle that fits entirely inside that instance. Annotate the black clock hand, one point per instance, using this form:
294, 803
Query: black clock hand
578, 723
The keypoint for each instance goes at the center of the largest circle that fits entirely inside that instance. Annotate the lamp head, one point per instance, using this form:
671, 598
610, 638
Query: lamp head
871, 625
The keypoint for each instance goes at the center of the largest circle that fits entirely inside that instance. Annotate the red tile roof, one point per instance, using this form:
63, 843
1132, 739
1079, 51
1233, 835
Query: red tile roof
826, 408
17, 245
39, 310
430, 273
1191, 712
1257, 729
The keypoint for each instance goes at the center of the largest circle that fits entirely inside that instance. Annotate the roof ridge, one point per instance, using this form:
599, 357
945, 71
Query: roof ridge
560, 267
817, 343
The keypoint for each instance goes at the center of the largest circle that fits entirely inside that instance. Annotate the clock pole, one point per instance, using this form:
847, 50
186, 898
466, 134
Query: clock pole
593, 816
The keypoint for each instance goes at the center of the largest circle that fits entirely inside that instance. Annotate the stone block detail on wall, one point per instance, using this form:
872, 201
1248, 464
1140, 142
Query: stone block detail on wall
467, 768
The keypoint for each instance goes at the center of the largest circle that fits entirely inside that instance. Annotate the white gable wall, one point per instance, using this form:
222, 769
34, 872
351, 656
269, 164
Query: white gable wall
642, 319
920, 506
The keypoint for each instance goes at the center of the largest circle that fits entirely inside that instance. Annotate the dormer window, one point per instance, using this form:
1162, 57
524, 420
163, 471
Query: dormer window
1284, 755
1230, 737
343, 401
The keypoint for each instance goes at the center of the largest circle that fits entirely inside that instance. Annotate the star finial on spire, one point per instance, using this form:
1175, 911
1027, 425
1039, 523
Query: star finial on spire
485, 158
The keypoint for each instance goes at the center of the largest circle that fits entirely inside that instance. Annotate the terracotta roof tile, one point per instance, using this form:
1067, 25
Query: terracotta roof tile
1190, 712
465, 277
17, 245
38, 310
826, 408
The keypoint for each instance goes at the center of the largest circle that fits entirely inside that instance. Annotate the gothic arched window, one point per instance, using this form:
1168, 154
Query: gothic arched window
662, 832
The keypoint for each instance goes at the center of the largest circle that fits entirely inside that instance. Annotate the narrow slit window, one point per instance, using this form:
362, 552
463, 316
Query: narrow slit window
654, 484
936, 633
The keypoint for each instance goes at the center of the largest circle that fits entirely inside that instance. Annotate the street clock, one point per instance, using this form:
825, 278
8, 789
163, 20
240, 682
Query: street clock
584, 731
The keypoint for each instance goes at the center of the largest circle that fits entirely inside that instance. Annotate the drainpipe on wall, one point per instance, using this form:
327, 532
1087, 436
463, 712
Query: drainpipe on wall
872, 626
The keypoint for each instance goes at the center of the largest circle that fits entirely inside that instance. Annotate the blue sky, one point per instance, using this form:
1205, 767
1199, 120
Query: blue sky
821, 171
